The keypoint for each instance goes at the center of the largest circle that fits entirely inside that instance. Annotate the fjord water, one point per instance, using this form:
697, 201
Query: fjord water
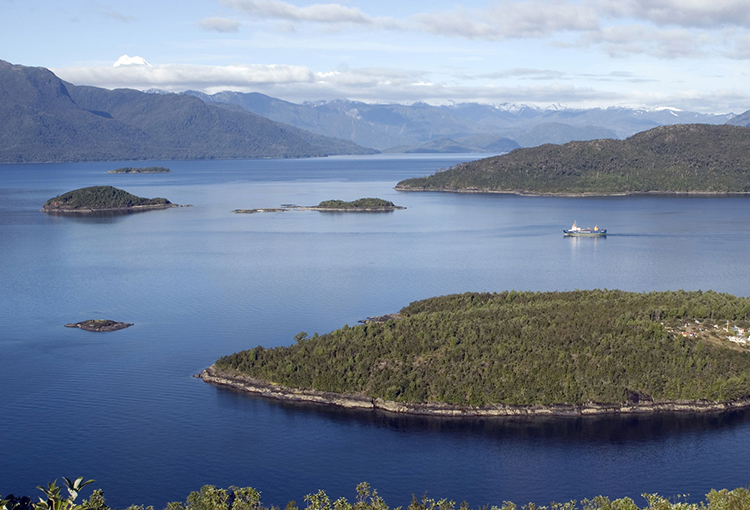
201, 282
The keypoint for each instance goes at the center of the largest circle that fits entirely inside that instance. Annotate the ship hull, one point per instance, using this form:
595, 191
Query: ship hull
584, 233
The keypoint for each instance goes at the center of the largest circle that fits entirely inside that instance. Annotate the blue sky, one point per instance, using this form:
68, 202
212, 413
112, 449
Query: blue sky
686, 54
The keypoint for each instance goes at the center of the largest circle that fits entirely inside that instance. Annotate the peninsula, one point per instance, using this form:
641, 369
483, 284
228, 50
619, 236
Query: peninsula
99, 325
360, 205
141, 170
691, 158
518, 353
103, 198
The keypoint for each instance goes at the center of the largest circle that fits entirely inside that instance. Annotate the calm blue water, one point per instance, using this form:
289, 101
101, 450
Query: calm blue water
201, 282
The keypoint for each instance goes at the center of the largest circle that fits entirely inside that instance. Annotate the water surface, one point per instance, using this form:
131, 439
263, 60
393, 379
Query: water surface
201, 282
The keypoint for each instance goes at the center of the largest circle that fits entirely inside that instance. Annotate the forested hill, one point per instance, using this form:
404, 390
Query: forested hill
678, 158
48, 120
523, 348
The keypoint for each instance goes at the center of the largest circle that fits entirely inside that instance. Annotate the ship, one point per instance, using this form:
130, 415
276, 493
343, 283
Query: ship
585, 232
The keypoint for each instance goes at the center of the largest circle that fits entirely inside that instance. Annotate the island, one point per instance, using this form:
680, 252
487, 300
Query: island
99, 325
360, 205
262, 210
518, 354
103, 198
141, 170
677, 159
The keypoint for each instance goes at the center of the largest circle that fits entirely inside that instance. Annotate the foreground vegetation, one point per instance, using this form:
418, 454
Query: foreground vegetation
523, 348
679, 158
101, 198
247, 498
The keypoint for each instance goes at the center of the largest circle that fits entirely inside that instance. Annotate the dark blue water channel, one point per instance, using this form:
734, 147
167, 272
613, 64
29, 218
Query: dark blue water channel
201, 282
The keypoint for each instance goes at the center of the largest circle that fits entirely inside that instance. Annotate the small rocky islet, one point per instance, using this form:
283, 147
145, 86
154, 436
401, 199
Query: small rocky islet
102, 199
99, 325
140, 170
359, 205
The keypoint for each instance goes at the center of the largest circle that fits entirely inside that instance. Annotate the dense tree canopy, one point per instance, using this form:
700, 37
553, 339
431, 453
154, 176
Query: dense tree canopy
362, 203
523, 348
100, 197
679, 158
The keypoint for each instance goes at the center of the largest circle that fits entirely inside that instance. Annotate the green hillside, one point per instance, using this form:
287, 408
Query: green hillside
524, 348
48, 120
681, 158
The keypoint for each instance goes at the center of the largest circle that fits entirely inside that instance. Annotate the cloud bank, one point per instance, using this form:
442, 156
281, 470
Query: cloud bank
379, 85
658, 28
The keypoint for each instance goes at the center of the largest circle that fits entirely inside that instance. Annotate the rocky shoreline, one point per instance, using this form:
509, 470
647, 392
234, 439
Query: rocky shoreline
216, 376
267, 209
316, 208
526, 193
353, 209
140, 170
380, 319
135, 208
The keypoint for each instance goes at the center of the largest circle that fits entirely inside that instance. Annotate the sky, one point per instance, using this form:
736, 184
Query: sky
686, 54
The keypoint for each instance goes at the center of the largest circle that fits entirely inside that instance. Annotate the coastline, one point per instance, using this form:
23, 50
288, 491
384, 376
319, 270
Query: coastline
218, 377
526, 193
351, 209
321, 209
135, 208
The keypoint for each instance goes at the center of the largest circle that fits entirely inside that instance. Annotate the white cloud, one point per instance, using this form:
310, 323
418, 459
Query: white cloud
624, 40
318, 13
709, 101
297, 83
126, 60
216, 24
176, 77
664, 29
507, 19
740, 49
684, 13
383, 85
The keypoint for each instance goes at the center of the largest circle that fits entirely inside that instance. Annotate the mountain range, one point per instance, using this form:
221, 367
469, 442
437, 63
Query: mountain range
48, 120
466, 127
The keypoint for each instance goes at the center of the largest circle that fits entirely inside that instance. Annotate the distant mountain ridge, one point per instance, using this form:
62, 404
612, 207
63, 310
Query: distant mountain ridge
48, 120
480, 127
692, 158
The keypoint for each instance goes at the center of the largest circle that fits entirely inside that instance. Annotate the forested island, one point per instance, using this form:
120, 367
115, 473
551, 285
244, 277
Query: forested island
360, 205
519, 353
691, 158
140, 170
103, 198
210, 497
